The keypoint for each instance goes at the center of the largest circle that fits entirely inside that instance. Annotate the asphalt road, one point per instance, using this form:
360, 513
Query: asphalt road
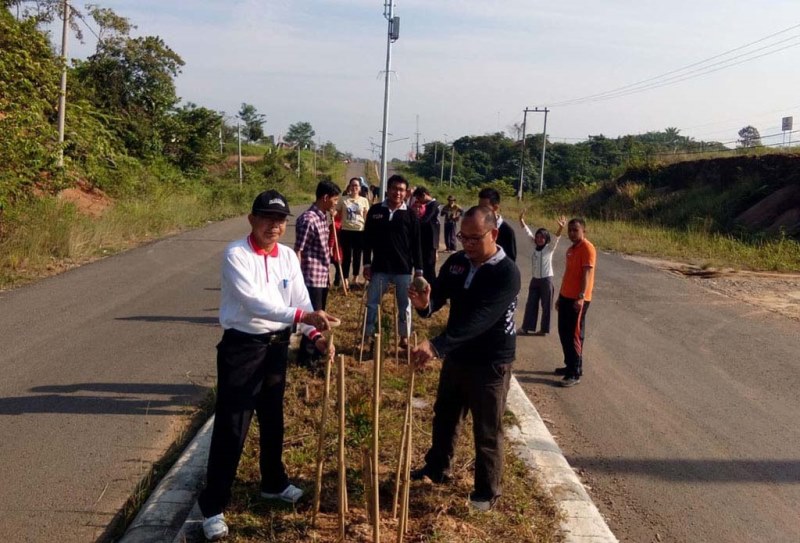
685, 425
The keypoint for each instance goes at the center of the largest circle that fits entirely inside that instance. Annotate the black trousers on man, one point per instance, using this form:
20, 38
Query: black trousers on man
307, 353
480, 389
540, 291
352, 243
450, 235
251, 376
571, 332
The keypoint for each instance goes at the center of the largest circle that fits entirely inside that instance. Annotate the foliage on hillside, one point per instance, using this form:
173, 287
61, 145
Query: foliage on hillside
496, 157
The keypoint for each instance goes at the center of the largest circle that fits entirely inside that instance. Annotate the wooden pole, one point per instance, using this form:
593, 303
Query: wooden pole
376, 403
402, 527
321, 438
342, 472
396, 330
338, 259
362, 311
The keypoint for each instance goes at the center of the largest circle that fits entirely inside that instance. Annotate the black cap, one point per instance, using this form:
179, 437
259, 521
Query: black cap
270, 201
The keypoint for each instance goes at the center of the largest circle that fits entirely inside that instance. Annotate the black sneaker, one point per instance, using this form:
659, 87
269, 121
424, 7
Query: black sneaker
437, 478
561, 371
570, 381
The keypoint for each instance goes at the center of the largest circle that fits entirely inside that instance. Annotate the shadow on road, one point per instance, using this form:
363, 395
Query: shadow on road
527, 377
685, 470
208, 321
127, 399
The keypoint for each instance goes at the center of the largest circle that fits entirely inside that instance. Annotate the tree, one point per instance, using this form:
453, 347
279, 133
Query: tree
132, 80
749, 137
253, 122
301, 133
193, 137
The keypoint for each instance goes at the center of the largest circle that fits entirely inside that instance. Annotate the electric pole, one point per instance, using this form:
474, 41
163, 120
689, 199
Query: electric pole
416, 154
62, 98
452, 159
544, 146
522, 156
239, 138
444, 154
392, 35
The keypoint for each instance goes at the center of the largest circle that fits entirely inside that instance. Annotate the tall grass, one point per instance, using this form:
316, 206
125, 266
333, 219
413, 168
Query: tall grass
695, 244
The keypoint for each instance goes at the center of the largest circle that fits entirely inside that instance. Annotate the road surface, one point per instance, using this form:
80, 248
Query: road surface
685, 425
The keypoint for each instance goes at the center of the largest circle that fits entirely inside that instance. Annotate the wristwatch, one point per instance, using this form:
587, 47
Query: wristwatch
581, 295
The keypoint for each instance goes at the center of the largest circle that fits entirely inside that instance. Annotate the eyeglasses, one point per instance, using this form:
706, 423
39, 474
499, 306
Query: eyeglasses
474, 239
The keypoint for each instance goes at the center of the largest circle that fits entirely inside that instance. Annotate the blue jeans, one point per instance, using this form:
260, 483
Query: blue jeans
377, 287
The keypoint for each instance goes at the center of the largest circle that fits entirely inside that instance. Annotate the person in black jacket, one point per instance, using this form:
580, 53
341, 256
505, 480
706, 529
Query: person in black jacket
478, 347
392, 244
506, 238
429, 232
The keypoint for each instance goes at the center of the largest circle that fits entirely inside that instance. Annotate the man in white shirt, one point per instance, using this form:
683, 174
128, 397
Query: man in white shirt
263, 298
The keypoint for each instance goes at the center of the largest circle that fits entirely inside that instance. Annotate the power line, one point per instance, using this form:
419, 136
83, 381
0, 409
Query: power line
659, 80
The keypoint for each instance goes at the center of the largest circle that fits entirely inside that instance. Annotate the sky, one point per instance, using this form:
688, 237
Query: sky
470, 67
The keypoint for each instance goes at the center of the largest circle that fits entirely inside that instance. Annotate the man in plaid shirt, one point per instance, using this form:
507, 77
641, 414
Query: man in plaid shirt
311, 246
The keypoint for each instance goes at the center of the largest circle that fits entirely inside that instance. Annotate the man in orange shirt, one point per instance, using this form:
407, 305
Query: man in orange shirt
573, 301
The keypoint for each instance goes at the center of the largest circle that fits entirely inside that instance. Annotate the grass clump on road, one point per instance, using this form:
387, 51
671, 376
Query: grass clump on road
525, 513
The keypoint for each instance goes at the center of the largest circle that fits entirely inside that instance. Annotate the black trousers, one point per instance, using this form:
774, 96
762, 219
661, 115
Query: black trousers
352, 243
251, 376
319, 299
481, 390
571, 332
539, 291
450, 235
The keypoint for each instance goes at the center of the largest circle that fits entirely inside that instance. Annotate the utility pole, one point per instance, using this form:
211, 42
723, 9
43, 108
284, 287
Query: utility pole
416, 154
435, 149
239, 138
62, 98
444, 154
391, 37
522, 155
544, 146
452, 159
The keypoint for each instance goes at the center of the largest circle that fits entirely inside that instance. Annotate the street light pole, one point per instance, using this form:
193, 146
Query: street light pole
391, 37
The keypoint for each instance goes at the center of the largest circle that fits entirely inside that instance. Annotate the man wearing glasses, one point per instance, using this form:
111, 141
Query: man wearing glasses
477, 347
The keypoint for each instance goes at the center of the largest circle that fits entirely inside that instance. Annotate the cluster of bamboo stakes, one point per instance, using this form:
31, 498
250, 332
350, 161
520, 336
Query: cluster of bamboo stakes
402, 477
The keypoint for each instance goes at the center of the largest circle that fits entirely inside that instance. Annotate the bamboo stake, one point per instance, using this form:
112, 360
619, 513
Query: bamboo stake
401, 461
363, 338
362, 313
396, 330
366, 468
408, 433
342, 472
321, 439
376, 403
339, 260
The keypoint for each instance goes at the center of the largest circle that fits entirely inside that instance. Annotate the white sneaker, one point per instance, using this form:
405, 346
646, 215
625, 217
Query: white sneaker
480, 505
290, 494
214, 528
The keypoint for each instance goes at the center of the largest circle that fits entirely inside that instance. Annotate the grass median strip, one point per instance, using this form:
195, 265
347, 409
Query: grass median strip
436, 512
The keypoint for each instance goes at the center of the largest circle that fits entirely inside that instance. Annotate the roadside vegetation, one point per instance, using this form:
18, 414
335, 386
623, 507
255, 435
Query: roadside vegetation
525, 513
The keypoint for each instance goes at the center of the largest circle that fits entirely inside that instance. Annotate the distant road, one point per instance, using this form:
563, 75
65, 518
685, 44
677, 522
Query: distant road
686, 425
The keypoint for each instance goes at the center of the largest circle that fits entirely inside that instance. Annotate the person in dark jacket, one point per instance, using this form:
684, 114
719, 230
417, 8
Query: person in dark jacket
478, 347
429, 228
393, 255
506, 238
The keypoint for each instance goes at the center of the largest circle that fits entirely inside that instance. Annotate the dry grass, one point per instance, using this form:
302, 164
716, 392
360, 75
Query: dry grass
526, 513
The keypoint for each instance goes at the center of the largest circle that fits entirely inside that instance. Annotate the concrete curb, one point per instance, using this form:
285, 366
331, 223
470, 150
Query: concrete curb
534, 444
167, 508
171, 514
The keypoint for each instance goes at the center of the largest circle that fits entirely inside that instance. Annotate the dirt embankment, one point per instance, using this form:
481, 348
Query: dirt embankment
763, 190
